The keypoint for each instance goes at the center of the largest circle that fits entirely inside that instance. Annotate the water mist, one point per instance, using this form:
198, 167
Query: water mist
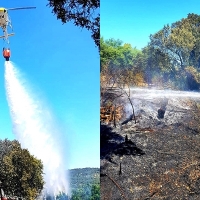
34, 127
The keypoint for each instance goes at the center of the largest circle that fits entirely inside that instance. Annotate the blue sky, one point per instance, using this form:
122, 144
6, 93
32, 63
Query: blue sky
61, 63
132, 21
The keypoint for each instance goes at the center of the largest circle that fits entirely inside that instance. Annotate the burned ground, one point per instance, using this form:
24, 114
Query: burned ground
156, 158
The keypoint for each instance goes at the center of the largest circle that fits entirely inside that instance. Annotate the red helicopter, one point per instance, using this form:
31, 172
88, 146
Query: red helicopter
4, 23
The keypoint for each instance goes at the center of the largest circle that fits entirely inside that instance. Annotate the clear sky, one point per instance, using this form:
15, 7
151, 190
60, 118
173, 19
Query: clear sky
132, 21
61, 63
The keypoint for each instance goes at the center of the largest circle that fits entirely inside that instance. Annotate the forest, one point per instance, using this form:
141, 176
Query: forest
149, 115
171, 60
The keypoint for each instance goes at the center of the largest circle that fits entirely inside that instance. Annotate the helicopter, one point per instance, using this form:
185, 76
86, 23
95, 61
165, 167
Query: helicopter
5, 22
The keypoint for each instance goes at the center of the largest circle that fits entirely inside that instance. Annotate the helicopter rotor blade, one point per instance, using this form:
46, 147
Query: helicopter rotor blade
20, 8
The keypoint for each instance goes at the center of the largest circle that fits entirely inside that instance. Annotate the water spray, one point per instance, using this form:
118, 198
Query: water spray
155, 93
35, 128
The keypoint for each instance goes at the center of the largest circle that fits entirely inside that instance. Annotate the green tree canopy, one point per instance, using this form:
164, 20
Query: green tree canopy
175, 48
21, 173
116, 54
121, 64
178, 40
109, 51
95, 192
83, 194
83, 13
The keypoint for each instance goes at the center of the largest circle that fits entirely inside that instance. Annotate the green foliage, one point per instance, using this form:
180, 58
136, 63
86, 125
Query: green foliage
195, 73
84, 194
82, 181
176, 47
95, 192
120, 63
80, 178
192, 77
20, 172
117, 55
178, 40
62, 196
109, 51
171, 59
84, 13
77, 194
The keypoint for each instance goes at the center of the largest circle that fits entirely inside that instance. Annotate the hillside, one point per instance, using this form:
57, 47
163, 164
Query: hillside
83, 177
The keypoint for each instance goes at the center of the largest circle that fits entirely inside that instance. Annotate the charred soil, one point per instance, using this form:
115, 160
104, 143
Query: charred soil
156, 158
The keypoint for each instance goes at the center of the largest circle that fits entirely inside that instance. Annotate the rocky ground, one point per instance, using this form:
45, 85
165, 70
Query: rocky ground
159, 156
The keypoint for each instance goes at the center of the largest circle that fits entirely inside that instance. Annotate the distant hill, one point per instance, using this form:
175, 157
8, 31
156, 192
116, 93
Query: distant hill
83, 178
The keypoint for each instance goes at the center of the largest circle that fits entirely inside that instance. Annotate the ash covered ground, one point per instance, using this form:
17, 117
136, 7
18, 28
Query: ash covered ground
159, 156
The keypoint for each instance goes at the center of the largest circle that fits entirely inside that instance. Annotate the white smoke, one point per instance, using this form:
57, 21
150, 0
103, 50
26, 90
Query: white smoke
36, 130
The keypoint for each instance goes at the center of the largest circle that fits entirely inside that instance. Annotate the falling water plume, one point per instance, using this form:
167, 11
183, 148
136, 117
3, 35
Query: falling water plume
34, 127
